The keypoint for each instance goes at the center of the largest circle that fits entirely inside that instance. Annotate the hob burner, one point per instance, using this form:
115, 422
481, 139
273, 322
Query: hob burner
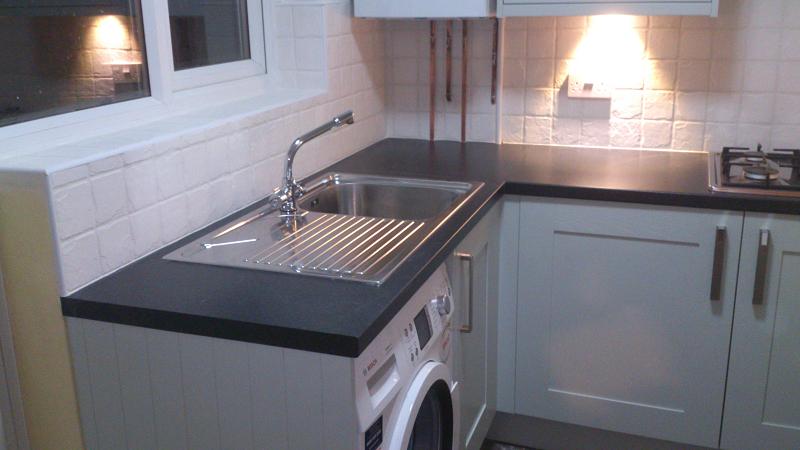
744, 170
761, 173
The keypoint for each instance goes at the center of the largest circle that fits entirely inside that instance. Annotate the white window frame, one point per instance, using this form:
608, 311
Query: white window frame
172, 90
217, 73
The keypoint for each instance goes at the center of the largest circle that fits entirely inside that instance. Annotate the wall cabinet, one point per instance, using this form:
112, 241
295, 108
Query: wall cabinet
624, 316
473, 274
507, 8
424, 8
762, 402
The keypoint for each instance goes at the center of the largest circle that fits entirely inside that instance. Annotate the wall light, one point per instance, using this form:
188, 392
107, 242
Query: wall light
111, 33
611, 52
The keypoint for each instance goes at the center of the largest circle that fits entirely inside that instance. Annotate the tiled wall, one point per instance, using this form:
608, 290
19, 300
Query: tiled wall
408, 81
113, 211
705, 82
698, 83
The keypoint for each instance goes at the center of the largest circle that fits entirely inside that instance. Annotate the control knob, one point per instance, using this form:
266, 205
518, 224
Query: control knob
442, 304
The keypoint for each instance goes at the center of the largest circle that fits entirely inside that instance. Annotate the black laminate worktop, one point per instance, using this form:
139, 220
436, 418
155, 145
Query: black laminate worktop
342, 317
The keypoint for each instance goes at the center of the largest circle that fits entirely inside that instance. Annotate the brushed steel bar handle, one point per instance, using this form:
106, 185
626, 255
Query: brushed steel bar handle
719, 263
469, 259
761, 267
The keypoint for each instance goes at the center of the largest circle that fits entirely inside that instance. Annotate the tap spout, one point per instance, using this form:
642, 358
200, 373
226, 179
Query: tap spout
291, 190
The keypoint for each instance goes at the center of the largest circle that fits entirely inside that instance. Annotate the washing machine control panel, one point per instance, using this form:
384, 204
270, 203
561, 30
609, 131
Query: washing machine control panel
419, 332
431, 320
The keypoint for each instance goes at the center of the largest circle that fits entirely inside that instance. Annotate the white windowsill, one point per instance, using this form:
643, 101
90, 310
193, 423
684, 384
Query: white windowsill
148, 121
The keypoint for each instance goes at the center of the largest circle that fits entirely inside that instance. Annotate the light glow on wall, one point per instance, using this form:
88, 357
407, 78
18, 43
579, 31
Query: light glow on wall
111, 33
611, 51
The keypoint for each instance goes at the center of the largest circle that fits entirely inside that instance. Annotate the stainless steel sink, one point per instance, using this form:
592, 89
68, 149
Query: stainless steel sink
392, 198
354, 227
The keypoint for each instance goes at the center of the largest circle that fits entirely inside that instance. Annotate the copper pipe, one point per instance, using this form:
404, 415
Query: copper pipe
463, 81
495, 39
432, 73
448, 64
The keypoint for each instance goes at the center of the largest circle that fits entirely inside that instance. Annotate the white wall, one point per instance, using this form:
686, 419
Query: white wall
702, 82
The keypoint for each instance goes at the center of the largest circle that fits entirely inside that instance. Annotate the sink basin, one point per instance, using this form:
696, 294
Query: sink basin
352, 227
370, 196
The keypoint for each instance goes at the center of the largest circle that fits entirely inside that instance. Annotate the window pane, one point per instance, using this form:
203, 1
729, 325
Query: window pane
208, 32
59, 56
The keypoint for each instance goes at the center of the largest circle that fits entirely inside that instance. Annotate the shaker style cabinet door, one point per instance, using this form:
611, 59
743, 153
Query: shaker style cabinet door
624, 316
762, 404
473, 273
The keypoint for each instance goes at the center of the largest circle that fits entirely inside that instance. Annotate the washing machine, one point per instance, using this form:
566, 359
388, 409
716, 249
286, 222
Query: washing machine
405, 394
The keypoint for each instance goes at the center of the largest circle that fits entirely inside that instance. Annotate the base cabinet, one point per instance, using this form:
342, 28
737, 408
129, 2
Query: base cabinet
762, 403
473, 274
618, 326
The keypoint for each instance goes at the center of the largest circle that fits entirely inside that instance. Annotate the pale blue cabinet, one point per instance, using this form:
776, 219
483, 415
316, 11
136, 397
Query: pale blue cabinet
623, 316
473, 273
762, 403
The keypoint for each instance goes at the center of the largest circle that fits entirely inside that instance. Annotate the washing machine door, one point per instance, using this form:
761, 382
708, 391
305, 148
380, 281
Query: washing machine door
427, 420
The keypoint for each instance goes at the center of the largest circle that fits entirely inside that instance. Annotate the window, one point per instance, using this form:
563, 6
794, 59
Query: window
64, 56
206, 33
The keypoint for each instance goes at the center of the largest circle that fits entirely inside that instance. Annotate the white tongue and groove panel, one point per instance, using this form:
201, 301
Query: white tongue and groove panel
141, 389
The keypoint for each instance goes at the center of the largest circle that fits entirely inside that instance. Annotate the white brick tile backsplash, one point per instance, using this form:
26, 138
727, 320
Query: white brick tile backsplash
110, 197
539, 73
174, 214
723, 107
514, 129
760, 77
80, 260
791, 14
693, 75
785, 136
751, 135
111, 211
514, 43
718, 135
116, 244
688, 135
539, 102
705, 80
541, 43
787, 109
170, 173
566, 131
146, 229
658, 105
538, 130
626, 104
789, 77
74, 209
663, 43
695, 44
594, 132
626, 133
690, 106
514, 101
141, 184
757, 108
656, 134
307, 21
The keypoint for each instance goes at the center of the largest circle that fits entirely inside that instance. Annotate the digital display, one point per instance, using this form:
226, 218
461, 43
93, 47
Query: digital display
423, 328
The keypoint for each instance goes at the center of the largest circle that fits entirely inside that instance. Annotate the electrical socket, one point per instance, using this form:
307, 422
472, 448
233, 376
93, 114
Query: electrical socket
580, 88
